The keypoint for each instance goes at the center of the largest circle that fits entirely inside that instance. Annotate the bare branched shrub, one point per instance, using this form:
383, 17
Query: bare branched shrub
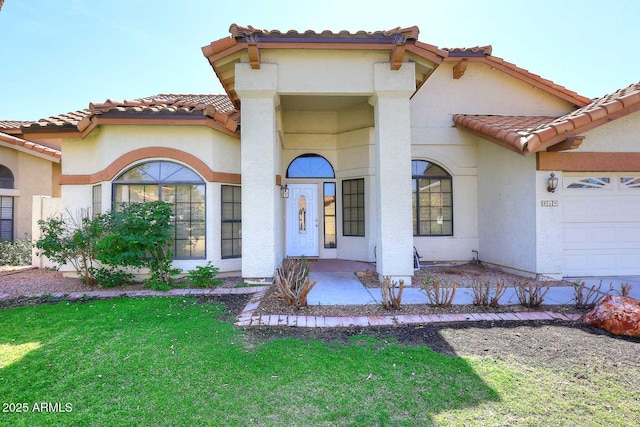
390, 298
625, 289
292, 282
486, 295
440, 293
586, 297
531, 293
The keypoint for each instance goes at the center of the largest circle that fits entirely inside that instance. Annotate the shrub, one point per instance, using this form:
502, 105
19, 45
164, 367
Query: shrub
204, 277
70, 240
531, 293
109, 277
625, 289
586, 297
17, 252
440, 294
486, 295
292, 282
141, 235
391, 299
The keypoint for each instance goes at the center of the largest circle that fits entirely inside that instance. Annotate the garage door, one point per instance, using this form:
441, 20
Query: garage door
601, 224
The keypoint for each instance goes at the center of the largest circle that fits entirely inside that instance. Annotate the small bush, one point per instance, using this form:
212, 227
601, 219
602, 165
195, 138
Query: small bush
586, 297
109, 277
486, 295
440, 294
531, 293
17, 252
390, 298
292, 282
204, 277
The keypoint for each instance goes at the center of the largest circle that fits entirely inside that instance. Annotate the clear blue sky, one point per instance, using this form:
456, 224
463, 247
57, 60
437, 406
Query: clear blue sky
58, 55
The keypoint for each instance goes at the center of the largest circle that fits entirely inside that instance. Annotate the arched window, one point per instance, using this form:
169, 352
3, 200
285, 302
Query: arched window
310, 166
6, 205
432, 199
171, 183
6, 177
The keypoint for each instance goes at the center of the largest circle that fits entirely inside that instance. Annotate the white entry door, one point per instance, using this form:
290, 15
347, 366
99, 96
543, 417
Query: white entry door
302, 220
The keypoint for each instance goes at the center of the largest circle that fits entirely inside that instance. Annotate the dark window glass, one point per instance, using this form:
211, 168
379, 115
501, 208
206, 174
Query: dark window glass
353, 207
432, 199
96, 199
330, 215
231, 221
6, 177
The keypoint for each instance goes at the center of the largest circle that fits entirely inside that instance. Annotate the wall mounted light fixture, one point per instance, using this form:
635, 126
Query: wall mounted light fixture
552, 183
284, 191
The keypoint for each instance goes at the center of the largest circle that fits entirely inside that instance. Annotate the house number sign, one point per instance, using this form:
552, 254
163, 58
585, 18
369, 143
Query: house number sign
549, 203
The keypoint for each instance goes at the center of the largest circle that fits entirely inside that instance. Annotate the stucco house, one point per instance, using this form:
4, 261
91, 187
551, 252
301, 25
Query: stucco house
363, 146
27, 169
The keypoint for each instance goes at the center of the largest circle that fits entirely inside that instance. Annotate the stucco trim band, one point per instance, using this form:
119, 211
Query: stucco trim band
588, 162
110, 172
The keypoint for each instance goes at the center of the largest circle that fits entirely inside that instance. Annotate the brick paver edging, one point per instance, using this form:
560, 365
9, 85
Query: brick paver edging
412, 319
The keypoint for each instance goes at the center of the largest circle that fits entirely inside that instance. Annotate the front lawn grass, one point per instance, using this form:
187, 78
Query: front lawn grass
173, 361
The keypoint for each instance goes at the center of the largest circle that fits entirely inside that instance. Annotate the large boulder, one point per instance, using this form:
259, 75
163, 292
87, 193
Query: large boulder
618, 315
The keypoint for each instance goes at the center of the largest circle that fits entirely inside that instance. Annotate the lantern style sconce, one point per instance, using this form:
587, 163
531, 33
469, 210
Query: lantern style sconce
552, 183
284, 191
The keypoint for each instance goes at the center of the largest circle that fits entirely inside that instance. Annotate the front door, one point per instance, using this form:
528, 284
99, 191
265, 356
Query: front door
302, 220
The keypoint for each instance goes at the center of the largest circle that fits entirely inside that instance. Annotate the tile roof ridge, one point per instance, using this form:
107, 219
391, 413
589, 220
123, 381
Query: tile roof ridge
469, 51
238, 31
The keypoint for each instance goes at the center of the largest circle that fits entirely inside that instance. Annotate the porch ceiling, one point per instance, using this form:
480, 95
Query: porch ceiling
320, 102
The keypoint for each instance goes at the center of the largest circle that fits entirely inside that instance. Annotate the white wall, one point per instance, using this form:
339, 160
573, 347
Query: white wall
482, 90
507, 208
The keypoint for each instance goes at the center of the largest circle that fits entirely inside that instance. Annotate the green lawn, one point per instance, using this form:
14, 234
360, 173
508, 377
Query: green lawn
172, 361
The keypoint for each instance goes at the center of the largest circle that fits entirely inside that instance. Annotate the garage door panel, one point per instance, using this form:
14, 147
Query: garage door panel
601, 263
601, 226
602, 236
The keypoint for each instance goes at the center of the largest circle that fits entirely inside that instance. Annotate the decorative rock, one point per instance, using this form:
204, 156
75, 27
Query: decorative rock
616, 314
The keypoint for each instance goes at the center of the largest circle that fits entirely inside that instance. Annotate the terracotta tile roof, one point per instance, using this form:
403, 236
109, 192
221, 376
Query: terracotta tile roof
33, 147
239, 32
469, 51
218, 107
401, 43
13, 124
67, 120
527, 135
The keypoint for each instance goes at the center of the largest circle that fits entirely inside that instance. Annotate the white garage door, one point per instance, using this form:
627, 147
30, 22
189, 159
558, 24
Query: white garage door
601, 221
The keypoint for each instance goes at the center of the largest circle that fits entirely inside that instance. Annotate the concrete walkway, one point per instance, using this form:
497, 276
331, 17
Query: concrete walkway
338, 285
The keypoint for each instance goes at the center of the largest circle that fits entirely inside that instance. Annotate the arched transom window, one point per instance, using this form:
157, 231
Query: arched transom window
432, 199
310, 166
172, 183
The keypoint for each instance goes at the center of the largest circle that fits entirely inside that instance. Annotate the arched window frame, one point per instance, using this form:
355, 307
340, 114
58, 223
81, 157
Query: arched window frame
307, 170
187, 194
437, 219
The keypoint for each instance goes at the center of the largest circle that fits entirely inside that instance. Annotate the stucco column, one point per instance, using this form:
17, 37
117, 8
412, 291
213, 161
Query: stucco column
394, 246
257, 92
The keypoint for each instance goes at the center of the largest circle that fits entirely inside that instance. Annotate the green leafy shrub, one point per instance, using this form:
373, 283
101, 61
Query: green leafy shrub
141, 235
17, 252
70, 240
204, 276
109, 277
